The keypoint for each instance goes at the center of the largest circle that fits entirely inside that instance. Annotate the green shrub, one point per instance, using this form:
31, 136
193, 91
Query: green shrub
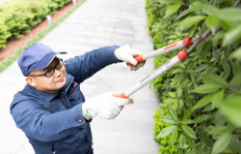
201, 96
19, 17
14, 57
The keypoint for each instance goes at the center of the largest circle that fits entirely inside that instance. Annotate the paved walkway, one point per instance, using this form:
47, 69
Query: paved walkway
95, 24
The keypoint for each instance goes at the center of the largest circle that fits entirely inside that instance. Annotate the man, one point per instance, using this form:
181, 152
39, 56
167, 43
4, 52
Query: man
51, 110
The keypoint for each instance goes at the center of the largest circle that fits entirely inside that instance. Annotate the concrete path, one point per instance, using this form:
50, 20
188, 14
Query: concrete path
96, 23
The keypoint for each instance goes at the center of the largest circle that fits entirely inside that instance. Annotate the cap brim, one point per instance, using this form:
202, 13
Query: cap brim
45, 61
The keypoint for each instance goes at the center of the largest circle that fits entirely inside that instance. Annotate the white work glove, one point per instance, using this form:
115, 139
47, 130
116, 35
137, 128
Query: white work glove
106, 105
126, 54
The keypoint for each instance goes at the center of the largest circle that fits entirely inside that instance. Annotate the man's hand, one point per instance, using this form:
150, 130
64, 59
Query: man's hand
126, 54
107, 106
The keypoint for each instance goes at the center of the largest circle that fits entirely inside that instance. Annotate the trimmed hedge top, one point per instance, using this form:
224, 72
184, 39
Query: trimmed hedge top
39, 36
19, 17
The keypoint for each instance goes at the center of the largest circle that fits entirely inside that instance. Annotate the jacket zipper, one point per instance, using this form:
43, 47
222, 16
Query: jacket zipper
66, 100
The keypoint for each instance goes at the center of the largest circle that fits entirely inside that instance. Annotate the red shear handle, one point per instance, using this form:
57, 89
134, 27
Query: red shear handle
138, 59
182, 55
122, 95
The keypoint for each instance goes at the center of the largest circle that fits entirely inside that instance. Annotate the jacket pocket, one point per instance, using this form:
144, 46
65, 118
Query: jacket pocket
74, 94
55, 107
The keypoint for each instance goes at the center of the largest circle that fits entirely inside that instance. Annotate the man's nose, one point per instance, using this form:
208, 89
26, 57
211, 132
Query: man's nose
57, 73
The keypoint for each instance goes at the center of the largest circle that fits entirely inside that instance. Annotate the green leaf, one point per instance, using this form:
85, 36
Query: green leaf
201, 67
191, 32
174, 136
201, 118
236, 80
208, 128
231, 108
180, 104
212, 23
236, 68
179, 92
204, 101
170, 1
172, 94
204, 137
179, 146
207, 108
190, 141
175, 105
184, 13
234, 141
182, 141
236, 54
232, 35
228, 150
166, 131
170, 9
218, 118
230, 14
188, 113
225, 25
210, 9
187, 121
188, 131
181, 65
168, 119
205, 88
218, 130
169, 101
215, 80
202, 1
175, 71
217, 98
189, 21
226, 67
195, 6
221, 143
172, 113
239, 147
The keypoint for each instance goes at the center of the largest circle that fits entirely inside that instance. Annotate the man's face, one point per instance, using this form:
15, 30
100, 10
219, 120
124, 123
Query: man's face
49, 85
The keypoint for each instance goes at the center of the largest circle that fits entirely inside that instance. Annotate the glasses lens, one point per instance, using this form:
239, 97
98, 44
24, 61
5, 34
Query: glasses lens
50, 72
59, 64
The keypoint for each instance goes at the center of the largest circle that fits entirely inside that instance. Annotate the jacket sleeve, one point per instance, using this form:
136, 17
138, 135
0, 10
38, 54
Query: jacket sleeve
84, 66
41, 125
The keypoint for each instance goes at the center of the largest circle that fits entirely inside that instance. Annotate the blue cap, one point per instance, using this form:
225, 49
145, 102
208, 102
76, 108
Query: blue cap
35, 57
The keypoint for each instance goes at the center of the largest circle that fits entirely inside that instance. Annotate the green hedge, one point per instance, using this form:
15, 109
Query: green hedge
14, 57
20, 16
201, 96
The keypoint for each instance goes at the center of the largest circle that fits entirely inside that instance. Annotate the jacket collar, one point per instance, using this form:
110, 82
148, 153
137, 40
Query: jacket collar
50, 96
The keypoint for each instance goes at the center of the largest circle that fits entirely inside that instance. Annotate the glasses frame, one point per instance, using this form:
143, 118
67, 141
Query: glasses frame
45, 74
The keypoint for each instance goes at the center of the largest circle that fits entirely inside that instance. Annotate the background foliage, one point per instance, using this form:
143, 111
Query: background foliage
18, 17
38, 37
200, 97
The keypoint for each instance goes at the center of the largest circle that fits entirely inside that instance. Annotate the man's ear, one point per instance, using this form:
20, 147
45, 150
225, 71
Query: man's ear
30, 81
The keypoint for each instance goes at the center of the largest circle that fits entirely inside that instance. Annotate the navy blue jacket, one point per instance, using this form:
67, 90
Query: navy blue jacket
54, 122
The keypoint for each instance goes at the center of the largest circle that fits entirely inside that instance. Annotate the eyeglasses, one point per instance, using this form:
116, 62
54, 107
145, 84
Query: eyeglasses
51, 71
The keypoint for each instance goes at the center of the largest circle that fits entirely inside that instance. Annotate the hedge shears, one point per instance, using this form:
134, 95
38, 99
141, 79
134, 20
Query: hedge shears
181, 56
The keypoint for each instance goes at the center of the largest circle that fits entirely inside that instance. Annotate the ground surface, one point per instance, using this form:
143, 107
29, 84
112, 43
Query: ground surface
95, 24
